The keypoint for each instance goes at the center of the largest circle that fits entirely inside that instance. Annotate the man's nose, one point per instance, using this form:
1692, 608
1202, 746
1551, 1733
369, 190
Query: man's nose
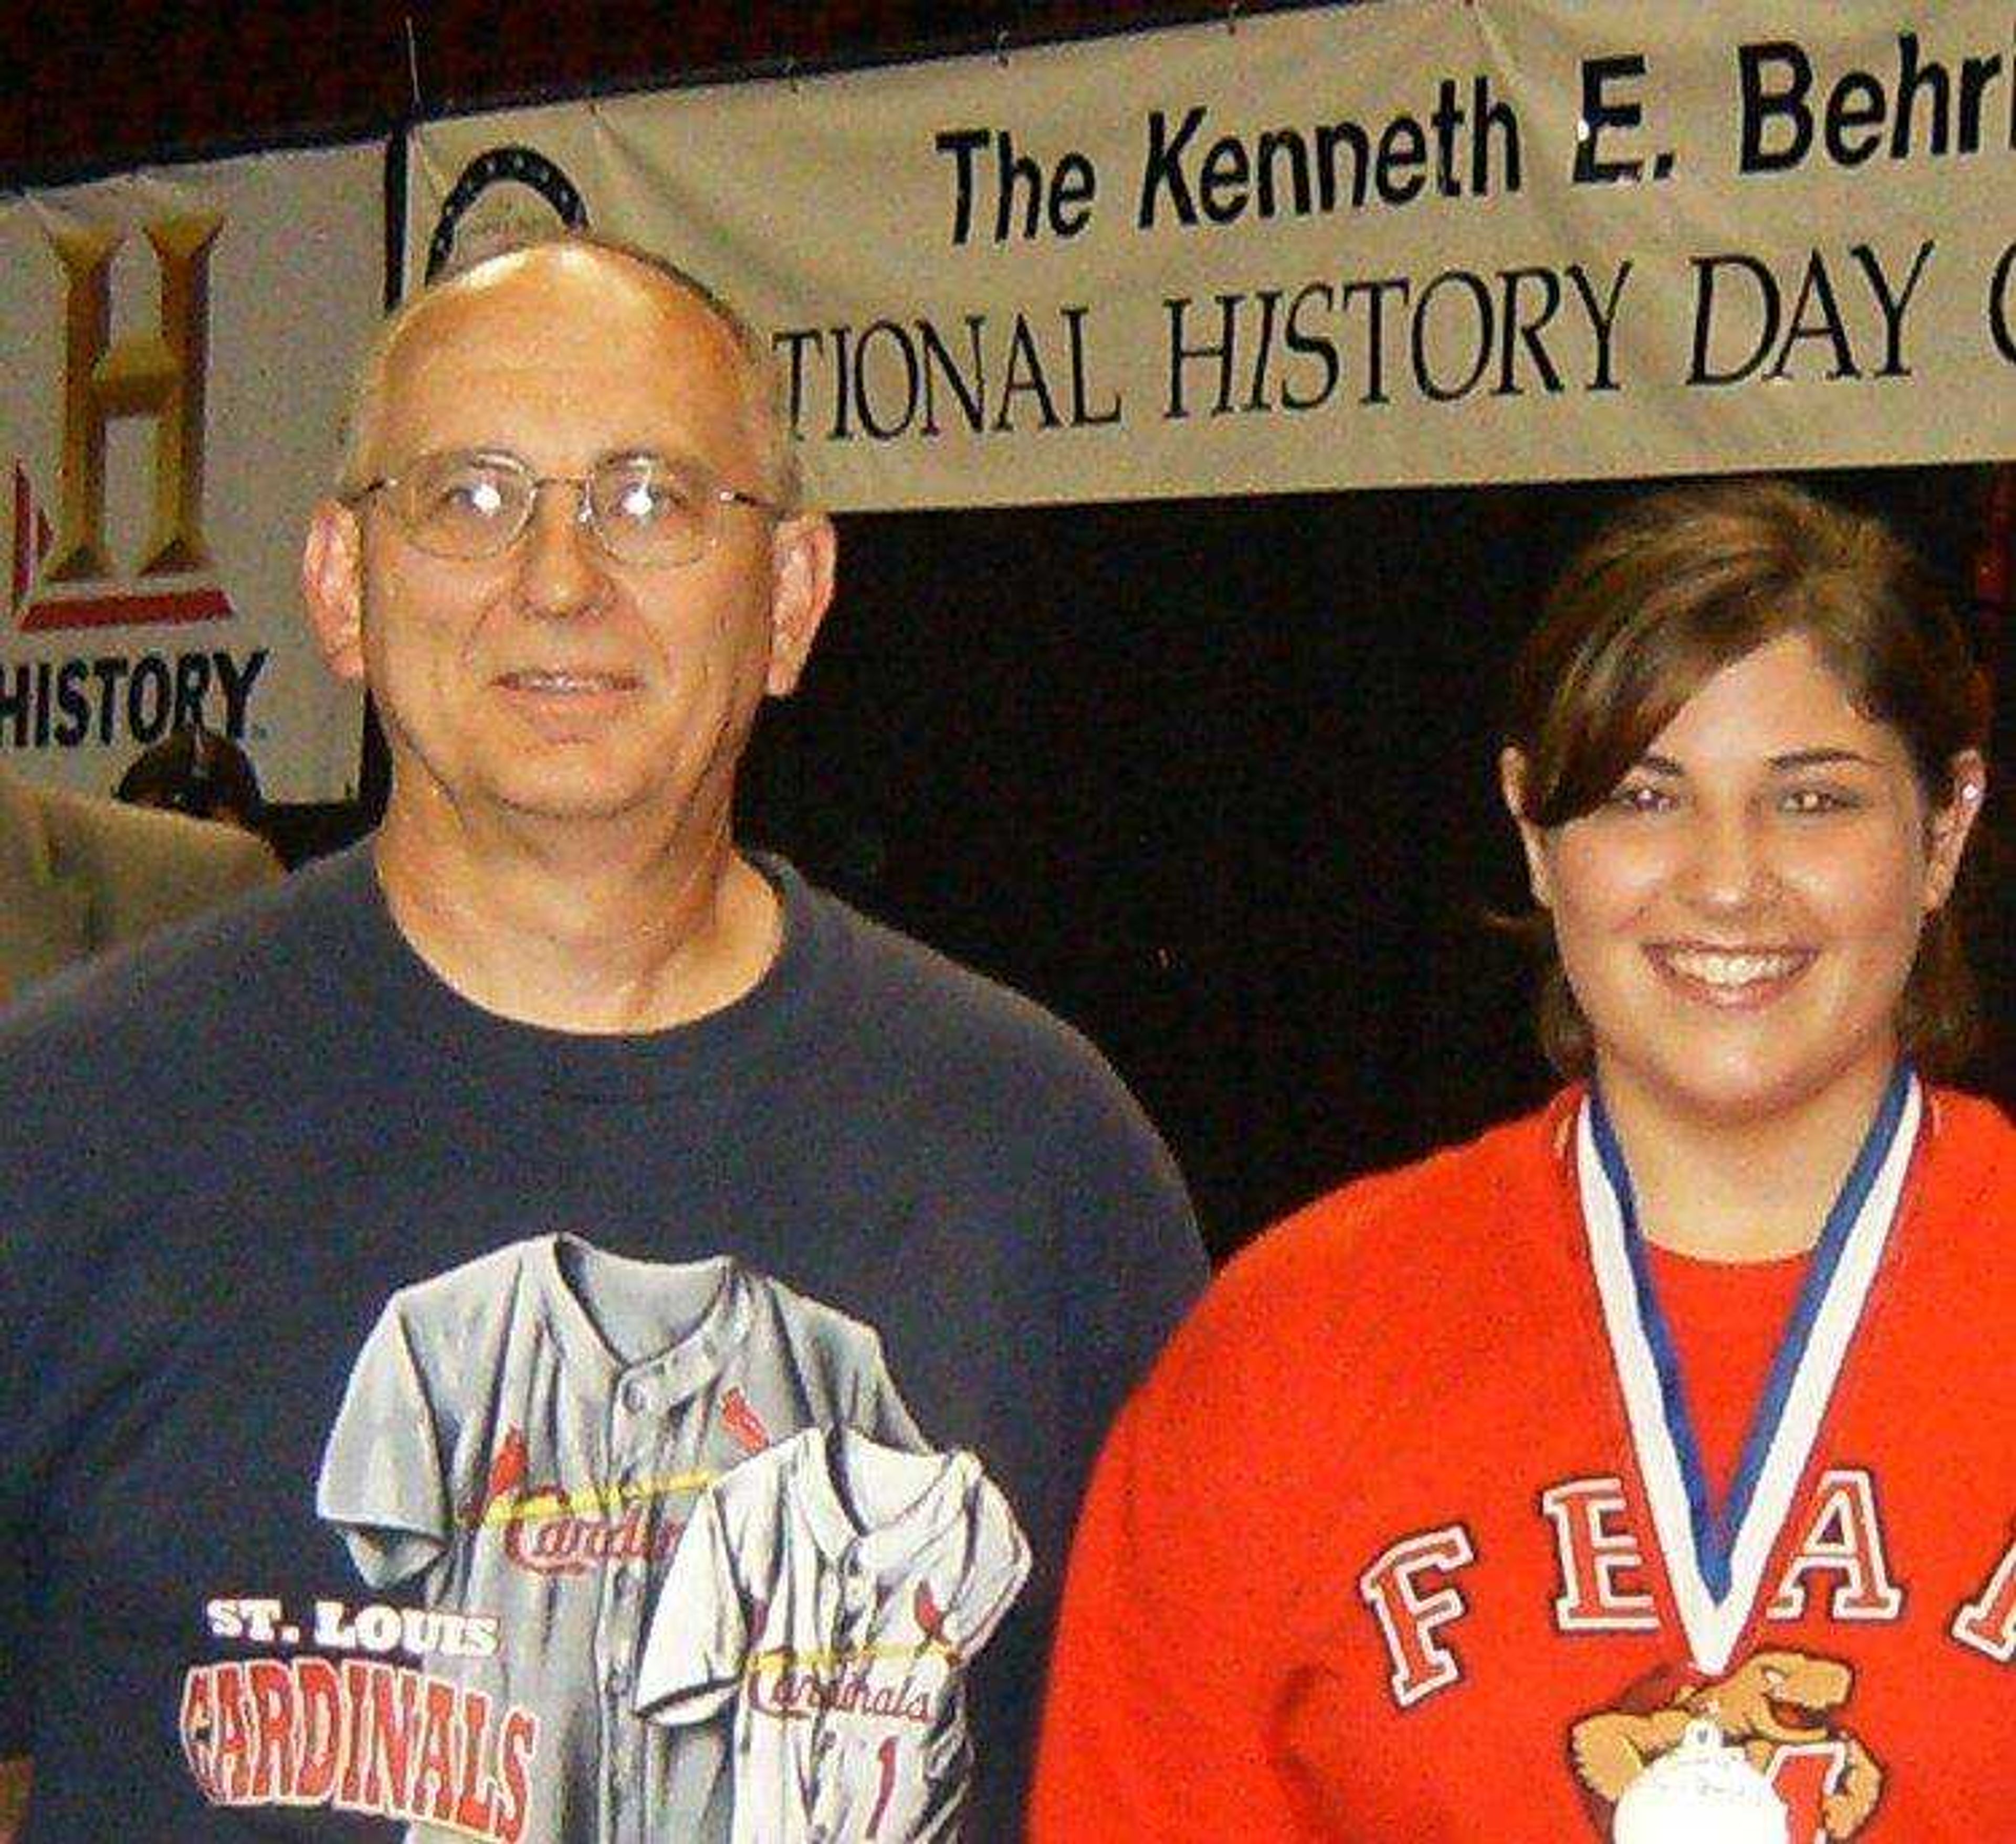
559, 563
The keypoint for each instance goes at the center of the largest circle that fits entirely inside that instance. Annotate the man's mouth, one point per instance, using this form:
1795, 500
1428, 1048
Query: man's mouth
566, 682
1730, 976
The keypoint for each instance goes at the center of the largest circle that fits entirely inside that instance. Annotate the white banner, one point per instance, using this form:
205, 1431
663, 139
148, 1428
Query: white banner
179, 344
1414, 241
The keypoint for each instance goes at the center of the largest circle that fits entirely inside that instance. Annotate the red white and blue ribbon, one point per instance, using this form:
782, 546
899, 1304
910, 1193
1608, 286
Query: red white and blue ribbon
1715, 1555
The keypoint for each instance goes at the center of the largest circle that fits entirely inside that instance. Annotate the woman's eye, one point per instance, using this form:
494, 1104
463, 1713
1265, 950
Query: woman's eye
1816, 800
1641, 796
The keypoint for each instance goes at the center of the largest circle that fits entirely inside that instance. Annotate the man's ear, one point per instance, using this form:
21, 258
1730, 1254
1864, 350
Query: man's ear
1512, 787
333, 587
1949, 826
803, 552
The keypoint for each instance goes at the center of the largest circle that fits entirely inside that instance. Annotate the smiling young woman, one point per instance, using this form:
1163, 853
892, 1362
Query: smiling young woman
1744, 756
1634, 1470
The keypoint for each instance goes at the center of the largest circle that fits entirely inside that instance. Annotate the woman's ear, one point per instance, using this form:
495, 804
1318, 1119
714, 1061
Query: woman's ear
1948, 827
1512, 787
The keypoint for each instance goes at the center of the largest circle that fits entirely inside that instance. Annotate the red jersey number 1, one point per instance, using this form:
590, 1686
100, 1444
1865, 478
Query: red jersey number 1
886, 1755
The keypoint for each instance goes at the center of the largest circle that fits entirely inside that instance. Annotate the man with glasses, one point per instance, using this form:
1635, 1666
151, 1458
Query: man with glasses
463, 1220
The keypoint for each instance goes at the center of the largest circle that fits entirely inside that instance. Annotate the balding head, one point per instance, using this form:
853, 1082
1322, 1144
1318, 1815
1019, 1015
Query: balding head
552, 676
576, 257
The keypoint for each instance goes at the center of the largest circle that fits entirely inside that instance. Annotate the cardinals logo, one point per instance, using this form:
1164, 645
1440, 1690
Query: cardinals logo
930, 1617
507, 1477
1782, 1710
743, 1424
550, 1531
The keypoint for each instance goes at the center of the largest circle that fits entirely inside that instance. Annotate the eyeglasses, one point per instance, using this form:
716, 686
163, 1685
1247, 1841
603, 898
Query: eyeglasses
642, 509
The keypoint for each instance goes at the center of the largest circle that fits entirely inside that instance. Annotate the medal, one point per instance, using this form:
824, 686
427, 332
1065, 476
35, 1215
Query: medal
1701, 1793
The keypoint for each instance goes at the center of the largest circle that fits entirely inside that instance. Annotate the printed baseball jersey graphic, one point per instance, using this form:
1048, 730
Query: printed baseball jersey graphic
522, 1440
834, 1590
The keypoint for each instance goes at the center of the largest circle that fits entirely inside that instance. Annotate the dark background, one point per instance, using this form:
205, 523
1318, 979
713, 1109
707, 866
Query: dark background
1215, 779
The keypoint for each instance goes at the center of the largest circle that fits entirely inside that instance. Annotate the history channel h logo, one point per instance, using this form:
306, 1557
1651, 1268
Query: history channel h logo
66, 573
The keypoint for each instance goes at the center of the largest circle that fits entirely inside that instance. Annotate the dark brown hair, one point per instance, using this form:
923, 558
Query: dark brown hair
1692, 579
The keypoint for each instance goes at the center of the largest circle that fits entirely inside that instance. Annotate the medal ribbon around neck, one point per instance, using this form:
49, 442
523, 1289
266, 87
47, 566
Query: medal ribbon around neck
1715, 1565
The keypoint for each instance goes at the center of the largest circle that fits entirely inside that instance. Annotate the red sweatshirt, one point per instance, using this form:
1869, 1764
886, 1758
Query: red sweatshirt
1383, 1550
